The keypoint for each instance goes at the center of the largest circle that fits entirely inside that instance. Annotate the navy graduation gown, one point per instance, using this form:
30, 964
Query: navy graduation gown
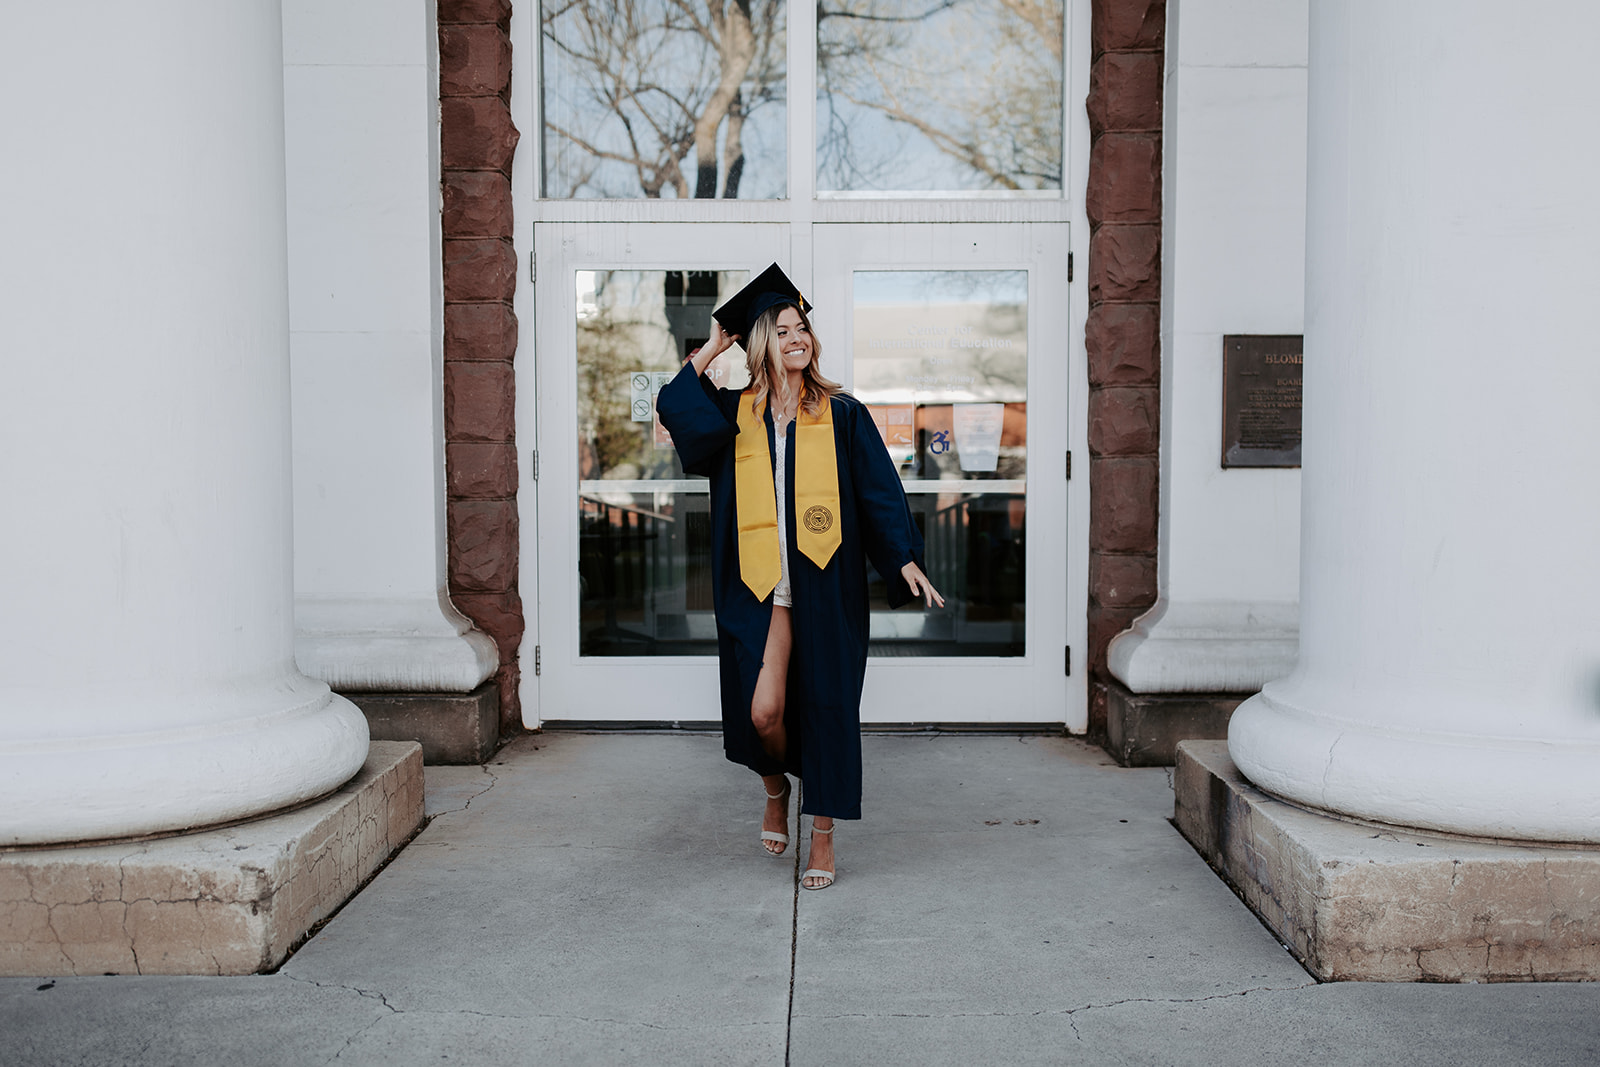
828, 662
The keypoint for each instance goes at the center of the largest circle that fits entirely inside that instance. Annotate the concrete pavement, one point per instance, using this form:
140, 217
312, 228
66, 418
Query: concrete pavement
602, 898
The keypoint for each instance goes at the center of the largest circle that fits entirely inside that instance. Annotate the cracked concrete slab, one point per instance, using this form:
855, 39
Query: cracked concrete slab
1335, 1025
1349, 1024
454, 788
603, 899
172, 1021
1018, 877
584, 890
429, 1037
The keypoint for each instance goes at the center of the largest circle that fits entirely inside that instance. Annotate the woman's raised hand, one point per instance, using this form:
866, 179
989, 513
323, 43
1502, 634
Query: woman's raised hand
920, 586
720, 339
719, 342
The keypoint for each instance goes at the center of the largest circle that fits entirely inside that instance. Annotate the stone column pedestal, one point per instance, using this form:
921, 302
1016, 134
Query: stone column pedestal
1365, 902
230, 900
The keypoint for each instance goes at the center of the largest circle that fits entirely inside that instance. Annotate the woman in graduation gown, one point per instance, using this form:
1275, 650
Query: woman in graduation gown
803, 493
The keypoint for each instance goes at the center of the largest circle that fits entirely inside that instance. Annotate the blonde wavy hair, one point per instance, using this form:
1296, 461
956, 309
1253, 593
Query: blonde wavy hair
765, 361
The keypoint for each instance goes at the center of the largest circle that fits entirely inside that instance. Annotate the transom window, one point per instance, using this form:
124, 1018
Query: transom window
691, 98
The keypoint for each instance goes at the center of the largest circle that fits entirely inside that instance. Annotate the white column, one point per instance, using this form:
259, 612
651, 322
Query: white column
1449, 671
366, 333
147, 679
1232, 239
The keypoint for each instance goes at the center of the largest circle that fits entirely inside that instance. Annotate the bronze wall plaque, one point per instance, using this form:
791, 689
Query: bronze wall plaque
1261, 400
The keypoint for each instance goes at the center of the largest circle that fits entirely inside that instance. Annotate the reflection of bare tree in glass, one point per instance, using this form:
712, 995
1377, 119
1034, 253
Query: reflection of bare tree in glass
605, 424
635, 86
1004, 367
997, 368
977, 81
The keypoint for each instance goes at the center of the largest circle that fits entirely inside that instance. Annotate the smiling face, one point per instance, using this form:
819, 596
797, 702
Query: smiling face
794, 340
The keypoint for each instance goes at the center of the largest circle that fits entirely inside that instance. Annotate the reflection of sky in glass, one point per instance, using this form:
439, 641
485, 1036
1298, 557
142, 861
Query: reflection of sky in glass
625, 82
940, 286
941, 336
588, 301
939, 95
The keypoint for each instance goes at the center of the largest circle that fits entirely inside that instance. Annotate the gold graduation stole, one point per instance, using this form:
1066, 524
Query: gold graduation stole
816, 494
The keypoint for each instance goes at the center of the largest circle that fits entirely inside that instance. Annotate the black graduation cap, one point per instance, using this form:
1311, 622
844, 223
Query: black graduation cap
771, 288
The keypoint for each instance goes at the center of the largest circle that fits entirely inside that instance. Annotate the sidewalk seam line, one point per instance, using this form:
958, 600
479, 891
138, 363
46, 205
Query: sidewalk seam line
794, 921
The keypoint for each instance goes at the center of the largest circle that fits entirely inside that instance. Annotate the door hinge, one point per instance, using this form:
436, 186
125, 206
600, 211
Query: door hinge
533, 269
1069, 464
1069, 661
1069, 268
535, 458
538, 660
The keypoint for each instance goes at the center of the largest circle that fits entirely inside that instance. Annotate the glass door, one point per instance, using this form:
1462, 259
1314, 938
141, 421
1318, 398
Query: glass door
625, 614
953, 335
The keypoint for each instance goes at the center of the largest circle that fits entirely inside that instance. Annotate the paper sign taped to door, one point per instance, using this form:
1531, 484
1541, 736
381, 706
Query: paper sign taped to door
977, 432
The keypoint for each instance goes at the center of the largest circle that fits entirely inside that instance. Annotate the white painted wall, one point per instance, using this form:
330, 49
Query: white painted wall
147, 679
361, 97
1449, 671
1233, 254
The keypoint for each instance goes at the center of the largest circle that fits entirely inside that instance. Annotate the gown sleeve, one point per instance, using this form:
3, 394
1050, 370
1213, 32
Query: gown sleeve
699, 425
888, 532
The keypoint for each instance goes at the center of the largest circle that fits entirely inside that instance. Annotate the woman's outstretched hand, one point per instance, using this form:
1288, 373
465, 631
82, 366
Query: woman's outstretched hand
920, 586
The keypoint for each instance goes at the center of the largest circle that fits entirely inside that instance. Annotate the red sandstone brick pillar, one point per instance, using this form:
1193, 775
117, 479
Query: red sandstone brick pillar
1123, 330
477, 139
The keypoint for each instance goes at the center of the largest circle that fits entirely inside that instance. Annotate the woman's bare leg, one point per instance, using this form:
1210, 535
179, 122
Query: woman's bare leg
766, 715
767, 705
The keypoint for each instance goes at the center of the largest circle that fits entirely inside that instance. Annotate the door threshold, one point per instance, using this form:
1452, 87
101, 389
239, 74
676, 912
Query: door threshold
712, 726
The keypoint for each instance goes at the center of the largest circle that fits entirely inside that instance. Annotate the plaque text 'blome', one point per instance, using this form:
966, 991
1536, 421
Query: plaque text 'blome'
1261, 399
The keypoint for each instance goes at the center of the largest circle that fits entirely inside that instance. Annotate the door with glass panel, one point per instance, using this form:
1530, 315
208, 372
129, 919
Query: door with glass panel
625, 615
955, 337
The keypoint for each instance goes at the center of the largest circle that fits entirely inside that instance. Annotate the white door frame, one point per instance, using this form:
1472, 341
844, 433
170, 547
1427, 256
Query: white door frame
801, 210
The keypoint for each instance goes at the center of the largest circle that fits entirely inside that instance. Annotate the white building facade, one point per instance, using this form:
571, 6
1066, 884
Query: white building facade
366, 404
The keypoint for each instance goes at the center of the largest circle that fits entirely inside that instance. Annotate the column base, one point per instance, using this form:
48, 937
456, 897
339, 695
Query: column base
391, 644
1207, 647
1143, 729
233, 900
451, 727
1367, 902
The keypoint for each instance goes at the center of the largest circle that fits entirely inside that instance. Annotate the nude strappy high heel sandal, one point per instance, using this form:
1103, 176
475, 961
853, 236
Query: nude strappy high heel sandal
773, 835
818, 872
